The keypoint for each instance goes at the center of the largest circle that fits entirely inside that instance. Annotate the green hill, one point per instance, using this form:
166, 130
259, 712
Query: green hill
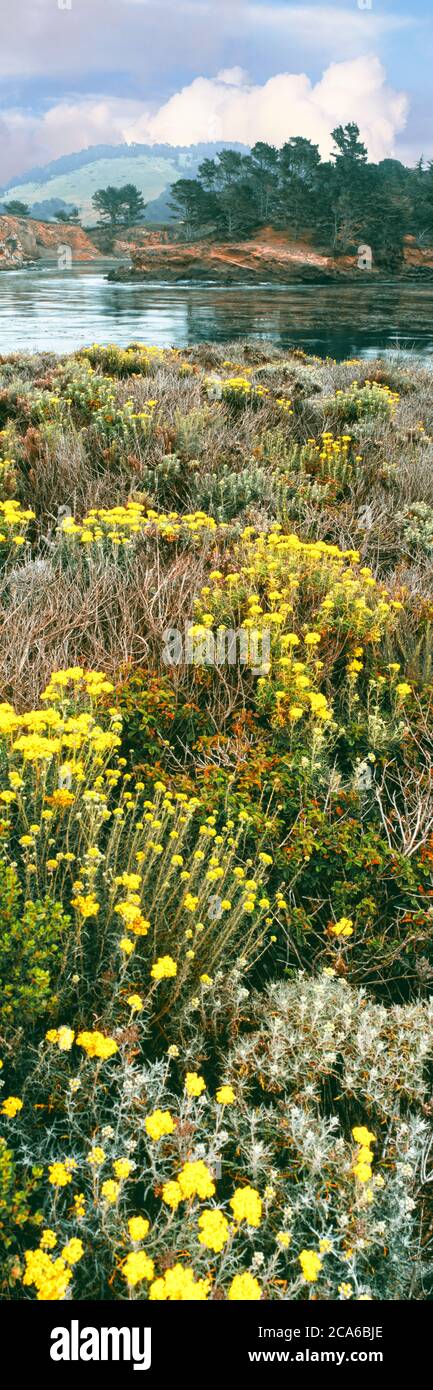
73, 179
151, 175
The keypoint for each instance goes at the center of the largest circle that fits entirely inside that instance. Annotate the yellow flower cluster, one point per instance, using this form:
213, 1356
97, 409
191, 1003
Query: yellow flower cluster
194, 1180
137, 1266
158, 1124
311, 1265
225, 1095
73, 1251
237, 389
178, 1285
49, 1277
164, 968
14, 522
372, 397
11, 1106
364, 1138
41, 735
246, 1205
344, 927
244, 1288
267, 592
214, 1229
86, 904
63, 1036
110, 1190
139, 359
120, 525
60, 1173
194, 1084
138, 1227
95, 1044
331, 460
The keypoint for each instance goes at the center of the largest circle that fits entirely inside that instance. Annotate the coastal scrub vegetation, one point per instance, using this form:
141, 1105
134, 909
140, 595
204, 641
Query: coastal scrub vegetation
216, 899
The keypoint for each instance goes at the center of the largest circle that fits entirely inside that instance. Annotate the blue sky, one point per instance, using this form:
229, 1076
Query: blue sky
75, 72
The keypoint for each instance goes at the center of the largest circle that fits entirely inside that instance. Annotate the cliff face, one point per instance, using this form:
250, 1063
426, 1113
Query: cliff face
24, 240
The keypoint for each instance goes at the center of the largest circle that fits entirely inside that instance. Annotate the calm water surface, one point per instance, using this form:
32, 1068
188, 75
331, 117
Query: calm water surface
60, 311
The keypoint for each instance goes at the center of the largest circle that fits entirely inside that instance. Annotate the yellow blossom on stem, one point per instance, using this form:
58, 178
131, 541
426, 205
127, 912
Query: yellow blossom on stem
225, 1095
11, 1106
246, 1205
110, 1190
194, 1084
138, 1227
122, 1167
158, 1124
214, 1229
73, 1251
178, 1285
311, 1265
137, 1266
164, 968
244, 1288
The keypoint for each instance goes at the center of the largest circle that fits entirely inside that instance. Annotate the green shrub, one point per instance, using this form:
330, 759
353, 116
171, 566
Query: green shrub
31, 937
371, 400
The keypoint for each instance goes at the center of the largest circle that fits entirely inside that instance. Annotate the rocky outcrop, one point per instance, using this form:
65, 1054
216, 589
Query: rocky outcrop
24, 241
417, 258
269, 257
135, 240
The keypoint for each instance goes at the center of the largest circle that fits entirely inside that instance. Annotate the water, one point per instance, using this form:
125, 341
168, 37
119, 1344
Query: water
44, 308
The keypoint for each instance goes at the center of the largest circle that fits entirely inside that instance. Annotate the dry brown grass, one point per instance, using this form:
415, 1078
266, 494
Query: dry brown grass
110, 614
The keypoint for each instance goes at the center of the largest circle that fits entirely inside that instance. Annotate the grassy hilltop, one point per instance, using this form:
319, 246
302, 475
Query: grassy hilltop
216, 907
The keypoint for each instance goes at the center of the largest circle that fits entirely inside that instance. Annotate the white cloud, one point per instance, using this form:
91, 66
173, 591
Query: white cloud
153, 38
227, 107
323, 24
28, 140
233, 77
288, 104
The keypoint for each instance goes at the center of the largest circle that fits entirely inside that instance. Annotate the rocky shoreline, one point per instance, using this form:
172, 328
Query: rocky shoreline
307, 275
25, 242
269, 258
142, 256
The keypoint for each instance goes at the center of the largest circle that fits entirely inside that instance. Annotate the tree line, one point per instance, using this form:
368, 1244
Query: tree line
116, 207
337, 203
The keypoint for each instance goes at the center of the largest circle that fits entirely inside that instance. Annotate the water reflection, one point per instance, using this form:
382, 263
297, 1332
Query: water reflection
61, 310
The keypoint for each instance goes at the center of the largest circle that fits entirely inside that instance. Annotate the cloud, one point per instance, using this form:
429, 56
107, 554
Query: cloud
288, 104
226, 107
146, 39
27, 140
233, 77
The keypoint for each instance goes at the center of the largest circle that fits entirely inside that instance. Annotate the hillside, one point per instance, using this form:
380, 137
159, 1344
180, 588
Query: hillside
74, 179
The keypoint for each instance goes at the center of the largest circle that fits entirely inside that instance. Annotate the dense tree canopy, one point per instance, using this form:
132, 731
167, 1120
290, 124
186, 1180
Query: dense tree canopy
123, 205
338, 202
16, 208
